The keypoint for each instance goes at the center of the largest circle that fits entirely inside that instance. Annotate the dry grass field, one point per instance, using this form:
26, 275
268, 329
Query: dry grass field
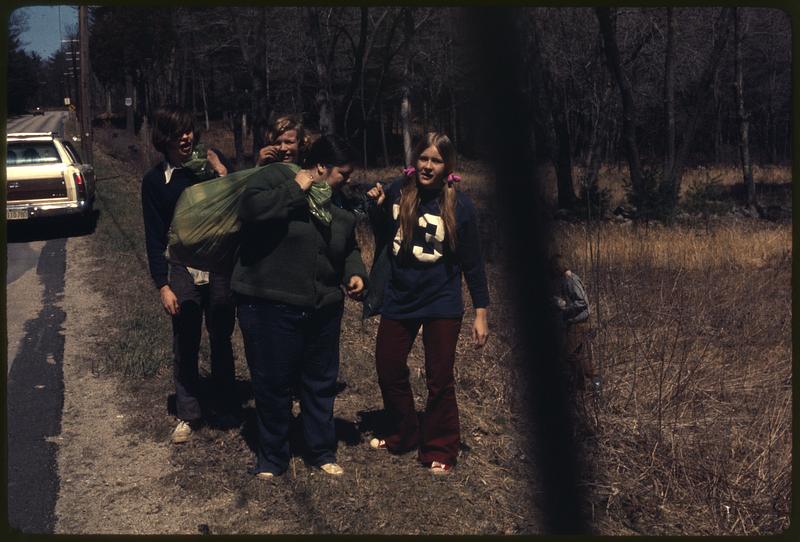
692, 333
691, 329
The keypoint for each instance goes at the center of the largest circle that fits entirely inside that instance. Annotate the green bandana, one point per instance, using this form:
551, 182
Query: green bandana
319, 201
198, 164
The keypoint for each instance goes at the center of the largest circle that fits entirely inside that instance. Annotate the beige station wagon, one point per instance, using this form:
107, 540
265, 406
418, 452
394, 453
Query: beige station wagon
45, 176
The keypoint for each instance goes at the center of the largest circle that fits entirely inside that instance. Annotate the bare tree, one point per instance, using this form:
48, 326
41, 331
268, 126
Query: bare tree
327, 120
605, 19
669, 91
744, 120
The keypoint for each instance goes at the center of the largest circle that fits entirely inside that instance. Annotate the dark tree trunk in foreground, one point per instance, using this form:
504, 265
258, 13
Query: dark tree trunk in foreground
744, 123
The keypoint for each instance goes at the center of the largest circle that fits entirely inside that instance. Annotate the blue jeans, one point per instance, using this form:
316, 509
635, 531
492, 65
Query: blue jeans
282, 341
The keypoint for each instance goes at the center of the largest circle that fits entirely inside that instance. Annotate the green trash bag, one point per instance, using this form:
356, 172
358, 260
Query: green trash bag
204, 233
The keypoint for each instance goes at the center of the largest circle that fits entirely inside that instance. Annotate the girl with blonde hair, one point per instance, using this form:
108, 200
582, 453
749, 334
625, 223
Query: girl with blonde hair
428, 231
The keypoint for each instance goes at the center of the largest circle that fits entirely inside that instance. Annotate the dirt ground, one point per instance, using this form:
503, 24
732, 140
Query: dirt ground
120, 474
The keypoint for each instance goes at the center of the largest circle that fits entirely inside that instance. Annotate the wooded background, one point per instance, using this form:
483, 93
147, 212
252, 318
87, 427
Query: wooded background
658, 89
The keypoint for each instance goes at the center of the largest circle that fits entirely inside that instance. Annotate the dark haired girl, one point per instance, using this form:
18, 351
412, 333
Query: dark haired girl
297, 251
433, 232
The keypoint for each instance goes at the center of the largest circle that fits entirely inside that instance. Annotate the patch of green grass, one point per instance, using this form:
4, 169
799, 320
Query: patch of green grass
139, 345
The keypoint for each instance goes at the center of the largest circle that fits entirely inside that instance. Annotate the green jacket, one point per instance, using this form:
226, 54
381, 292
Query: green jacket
285, 255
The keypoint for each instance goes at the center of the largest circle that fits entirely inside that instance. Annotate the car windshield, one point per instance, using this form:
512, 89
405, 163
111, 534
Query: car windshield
26, 153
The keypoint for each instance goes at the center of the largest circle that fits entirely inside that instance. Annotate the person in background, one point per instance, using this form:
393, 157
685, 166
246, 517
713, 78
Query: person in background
187, 295
297, 254
287, 140
433, 231
572, 309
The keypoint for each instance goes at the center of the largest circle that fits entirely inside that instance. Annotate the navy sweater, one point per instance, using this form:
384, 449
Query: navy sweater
158, 207
426, 282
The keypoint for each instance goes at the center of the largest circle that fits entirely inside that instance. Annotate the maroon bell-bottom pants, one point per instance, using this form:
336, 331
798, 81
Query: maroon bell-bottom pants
437, 435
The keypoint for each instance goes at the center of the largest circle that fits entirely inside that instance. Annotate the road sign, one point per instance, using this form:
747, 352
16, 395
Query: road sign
128, 102
66, 100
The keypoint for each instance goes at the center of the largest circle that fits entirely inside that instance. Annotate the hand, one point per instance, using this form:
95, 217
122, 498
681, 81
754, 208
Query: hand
480, 328
169, 300
377, 193
355, 287
215, 163
268, 154
304, 178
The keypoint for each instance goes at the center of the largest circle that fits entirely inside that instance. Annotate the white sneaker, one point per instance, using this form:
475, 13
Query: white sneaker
377, 444
332, 468
182, 432
265, 475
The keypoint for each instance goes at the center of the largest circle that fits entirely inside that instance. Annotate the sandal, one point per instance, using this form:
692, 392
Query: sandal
440, 468
377, 444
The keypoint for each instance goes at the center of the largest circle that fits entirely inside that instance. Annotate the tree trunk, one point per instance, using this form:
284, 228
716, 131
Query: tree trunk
205, 102
718, 107
744, 123
327, 120
129, 120
453, 119
405, 119
772, 129
356, 78
238, 143
405, 100
669, 92
563, 162
699, 98
628, 106
383, 137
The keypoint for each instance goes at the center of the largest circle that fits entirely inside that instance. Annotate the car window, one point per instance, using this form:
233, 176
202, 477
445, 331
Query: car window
26, 153
73, 152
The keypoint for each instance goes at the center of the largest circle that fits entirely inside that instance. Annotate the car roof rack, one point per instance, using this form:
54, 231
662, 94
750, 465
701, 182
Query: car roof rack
32, 134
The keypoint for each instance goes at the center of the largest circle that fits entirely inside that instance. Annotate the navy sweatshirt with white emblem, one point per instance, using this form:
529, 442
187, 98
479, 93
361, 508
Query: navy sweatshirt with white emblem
425, 282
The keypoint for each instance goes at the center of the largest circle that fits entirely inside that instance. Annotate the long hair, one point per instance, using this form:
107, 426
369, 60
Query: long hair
409, 193
169, 124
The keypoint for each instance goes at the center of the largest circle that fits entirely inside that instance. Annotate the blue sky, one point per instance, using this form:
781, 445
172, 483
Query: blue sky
43, 35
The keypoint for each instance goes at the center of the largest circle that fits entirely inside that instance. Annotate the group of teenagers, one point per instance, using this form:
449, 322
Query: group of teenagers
296, 261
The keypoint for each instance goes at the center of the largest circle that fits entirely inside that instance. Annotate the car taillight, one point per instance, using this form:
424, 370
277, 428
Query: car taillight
79, 184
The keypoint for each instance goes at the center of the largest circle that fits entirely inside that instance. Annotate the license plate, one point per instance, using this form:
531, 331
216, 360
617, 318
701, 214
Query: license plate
16, 214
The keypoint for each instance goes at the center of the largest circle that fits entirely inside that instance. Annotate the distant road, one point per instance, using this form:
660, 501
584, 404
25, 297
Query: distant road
51, 121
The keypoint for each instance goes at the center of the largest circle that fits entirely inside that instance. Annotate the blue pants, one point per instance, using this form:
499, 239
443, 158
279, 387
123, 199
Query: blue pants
282, 341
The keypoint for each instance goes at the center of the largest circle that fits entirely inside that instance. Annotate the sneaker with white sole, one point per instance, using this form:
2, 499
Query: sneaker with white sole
332, 468
377, 444
182, 432
265, 475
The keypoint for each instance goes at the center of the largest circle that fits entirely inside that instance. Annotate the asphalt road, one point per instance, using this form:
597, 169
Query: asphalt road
36, 260
51, 121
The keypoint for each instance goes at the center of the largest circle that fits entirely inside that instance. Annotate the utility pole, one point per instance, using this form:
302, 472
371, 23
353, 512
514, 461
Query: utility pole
71, 56
86, 103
